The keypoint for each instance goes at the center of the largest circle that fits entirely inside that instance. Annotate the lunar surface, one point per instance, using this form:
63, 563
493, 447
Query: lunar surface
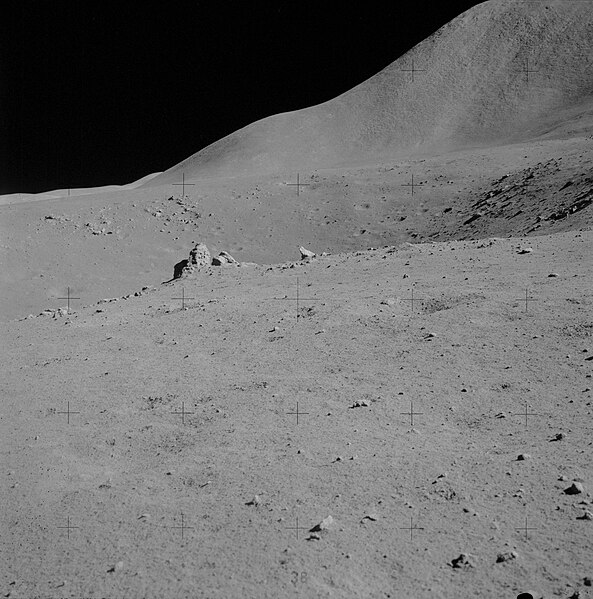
344, 352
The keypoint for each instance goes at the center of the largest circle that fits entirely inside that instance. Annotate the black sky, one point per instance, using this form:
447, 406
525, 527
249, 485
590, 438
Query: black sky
98, 93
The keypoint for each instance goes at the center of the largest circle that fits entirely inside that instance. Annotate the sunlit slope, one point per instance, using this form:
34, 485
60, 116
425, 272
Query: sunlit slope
503, 71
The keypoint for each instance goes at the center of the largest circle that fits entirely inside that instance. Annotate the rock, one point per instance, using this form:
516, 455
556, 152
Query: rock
255, 501
525, 251
528, 595
388, 302
463, 561
118, 566
553, 275
523, 456
306, 254
588, 581
558, 437
359, 404
199, 256
323, 525
574, 489
223, 258
587, 515
506, 557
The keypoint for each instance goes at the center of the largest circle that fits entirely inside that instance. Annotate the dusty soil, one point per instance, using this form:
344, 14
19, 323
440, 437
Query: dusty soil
236, 471
419, 425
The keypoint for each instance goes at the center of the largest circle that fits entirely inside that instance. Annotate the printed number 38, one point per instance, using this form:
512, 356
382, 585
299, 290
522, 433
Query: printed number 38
297, 577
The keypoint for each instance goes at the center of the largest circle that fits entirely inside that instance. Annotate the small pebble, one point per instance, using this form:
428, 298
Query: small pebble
359, 404
523, 456
506, 557
115, 567
463, 561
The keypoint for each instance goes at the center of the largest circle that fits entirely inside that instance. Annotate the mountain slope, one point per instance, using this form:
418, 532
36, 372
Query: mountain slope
473, 88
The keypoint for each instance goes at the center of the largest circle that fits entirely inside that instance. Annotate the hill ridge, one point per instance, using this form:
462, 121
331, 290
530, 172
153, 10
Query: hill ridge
498, 73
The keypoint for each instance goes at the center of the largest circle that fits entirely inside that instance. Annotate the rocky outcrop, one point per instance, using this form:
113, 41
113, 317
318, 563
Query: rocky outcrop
199, 256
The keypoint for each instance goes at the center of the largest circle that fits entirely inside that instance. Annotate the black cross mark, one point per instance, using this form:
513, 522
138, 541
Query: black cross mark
297, 412
182, 413
69, 297
298, 184
525, 528
411, 413
526, 413
68, 527
298, 298
412, 300
526, 299
526, 70
68, 412
183, 298
183, 185
413, 70
183, 526
296, 528
412, 184
411, 528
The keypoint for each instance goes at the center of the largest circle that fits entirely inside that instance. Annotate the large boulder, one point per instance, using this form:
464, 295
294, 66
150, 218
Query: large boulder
223, 258
199, 256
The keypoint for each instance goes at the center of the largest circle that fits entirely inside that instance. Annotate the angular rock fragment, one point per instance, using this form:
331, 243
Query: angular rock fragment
323, 525
306, 254
223, 258
574, 489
